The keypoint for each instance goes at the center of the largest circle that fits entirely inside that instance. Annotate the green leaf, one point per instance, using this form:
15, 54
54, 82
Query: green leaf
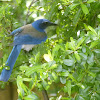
27, 79
65, 89
80, 41
68, 62
54, 76
73, 79
84, 49
66, 46
71, 44
73, 6
45, 85
67, 10
84, 9
92, 30
48, 57
21, 86
33, 69
92, 74
90, 59
31, 60
59, 68
69, 87
40, 86
81, 85
84, 56
99, 16
80, 77
37, 57
56, 48
97, 50
23, 68
90, 1
66, 73
69, 52
93, 44
63, 80
53, 66
77, 56
32, 96
77, 17
24, 87
86, 27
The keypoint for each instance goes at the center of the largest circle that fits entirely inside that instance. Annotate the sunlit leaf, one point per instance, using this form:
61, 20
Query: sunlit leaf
54, 75
90, 1
86, 27
31, 70
71, 44
69, 87
77, 56
31, 96
92, 30
23, 68
48, 57
93, 44
84, 9
99, 16
66, 73
27, 79
37, 57
80, 41
73, 6
53, 66
73, 79
68, 62
81, 85
63, 80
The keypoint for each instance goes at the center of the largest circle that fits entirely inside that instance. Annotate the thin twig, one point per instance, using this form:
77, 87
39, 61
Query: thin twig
28, 12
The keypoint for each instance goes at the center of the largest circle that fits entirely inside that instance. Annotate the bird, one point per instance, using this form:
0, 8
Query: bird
25, 36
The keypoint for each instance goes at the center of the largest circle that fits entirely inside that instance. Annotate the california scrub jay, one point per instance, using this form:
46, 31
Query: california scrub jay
30, 34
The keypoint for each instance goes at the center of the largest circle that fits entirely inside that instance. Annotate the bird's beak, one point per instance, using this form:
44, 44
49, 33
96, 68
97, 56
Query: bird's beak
53, 24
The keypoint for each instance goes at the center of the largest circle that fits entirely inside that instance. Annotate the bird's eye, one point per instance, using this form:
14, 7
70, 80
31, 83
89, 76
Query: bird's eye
45, 22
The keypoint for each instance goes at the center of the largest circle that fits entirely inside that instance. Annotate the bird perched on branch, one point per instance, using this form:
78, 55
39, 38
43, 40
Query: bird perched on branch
31, 34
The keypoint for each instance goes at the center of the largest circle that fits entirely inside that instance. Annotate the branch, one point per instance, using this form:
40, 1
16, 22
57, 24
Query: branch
28, 12
45, 95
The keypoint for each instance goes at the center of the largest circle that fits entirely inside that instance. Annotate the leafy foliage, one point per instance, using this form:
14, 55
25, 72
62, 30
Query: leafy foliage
67, 64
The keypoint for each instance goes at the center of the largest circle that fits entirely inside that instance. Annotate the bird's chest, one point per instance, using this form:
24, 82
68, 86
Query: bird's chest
27, 47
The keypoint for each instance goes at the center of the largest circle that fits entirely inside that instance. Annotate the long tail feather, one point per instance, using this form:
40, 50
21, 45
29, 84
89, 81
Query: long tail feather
5, 74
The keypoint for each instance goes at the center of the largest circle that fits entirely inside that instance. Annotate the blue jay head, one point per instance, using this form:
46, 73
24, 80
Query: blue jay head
42, 24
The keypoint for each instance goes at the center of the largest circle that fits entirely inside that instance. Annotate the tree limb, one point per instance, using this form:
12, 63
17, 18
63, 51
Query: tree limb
28, 12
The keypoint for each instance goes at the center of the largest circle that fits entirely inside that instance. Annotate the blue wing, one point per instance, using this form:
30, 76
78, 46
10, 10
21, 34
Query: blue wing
28, 39
28, 35
19, 30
